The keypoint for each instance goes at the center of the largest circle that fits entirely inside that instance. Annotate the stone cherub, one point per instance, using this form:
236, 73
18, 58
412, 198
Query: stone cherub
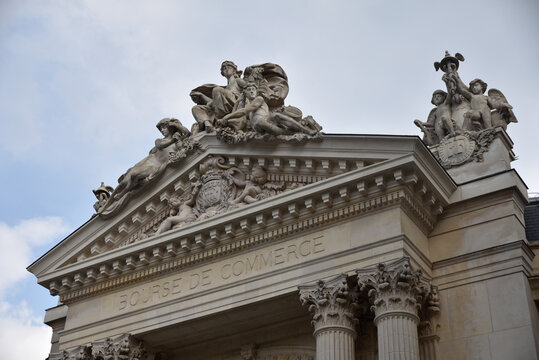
155, 163
260, 118
214, 102
256, 188
481, 105
439, 123
251, 188
181, 213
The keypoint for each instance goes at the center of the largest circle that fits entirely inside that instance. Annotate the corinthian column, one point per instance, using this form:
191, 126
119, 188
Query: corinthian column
395, 292
334, 323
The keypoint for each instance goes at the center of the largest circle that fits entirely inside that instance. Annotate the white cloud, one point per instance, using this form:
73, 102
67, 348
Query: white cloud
20, 239
22, 333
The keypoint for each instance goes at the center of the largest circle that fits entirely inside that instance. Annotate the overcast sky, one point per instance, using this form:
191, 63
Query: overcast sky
83, 83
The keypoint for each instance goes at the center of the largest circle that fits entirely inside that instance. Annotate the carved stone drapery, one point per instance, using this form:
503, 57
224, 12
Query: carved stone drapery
396, 292
333, 306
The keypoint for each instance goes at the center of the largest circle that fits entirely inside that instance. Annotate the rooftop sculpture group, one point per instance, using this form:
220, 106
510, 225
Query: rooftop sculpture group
246, 108
464, 113
251, 106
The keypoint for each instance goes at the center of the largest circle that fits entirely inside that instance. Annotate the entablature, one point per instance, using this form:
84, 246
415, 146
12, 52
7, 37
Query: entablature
396, 182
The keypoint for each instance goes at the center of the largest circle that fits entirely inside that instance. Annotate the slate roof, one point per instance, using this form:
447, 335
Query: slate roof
531, 218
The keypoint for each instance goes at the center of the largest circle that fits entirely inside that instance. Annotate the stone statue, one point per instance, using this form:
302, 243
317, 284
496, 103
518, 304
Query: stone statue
480, 115
251, 188
439, 122
261, 119
102, 193
180, 214
151, 166
257, 187
463, 114
214, 101
267, 115
245, 108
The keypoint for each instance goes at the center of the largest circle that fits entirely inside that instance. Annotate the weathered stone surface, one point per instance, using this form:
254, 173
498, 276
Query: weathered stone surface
463, 122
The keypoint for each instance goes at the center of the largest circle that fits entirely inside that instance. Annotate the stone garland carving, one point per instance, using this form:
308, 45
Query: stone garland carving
124, 347
175, 145
217, 188
464, 118
467, 147
245, 108
331, 303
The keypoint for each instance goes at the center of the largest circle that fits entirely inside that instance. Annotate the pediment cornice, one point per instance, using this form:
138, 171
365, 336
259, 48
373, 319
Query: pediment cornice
337, 187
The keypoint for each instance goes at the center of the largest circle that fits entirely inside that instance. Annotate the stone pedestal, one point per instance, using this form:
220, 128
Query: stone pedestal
395, 292
334, 323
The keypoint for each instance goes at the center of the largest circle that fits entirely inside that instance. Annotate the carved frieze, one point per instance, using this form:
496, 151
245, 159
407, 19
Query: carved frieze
190, 246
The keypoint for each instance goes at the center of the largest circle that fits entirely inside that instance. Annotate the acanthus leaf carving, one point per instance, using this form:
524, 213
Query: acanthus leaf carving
395, 287
123, 347
331, 302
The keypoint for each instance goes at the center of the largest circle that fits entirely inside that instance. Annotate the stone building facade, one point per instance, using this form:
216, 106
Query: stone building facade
312, 246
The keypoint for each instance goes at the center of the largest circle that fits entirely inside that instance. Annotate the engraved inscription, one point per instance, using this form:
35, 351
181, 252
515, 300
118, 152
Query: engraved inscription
252, 264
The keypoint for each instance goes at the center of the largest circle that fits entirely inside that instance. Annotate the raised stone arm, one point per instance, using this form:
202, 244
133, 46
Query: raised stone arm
461, 87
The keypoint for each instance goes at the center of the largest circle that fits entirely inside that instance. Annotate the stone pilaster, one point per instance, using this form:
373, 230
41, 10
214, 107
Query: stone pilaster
395, 292
429, 325
333, 308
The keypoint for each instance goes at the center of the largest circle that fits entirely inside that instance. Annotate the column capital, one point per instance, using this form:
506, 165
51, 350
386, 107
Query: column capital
394, 289
332, 304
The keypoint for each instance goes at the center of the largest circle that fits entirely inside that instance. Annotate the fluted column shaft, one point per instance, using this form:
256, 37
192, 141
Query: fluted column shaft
333, 318
397, 336
395, 292
428, 347
335, 343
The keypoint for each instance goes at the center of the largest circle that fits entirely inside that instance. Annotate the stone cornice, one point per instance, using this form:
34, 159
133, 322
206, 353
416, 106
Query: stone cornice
396, 182
148, 266
334, 154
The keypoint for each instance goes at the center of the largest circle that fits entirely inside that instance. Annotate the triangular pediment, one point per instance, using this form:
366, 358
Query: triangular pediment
299, 177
